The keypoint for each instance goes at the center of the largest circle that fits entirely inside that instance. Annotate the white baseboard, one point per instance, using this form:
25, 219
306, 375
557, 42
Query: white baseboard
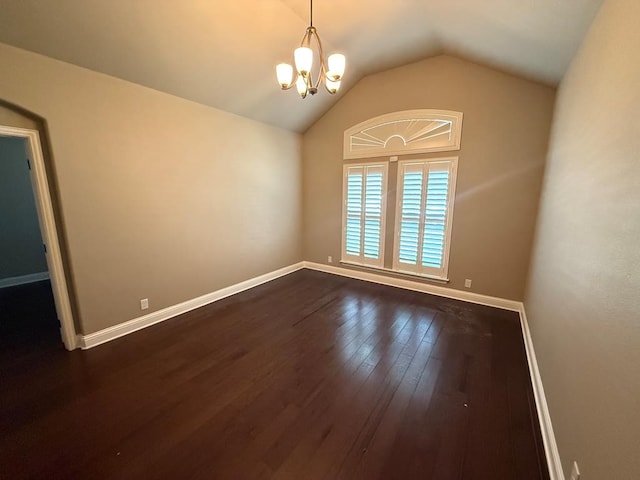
548, 437
23, 279
111, 333
407, 284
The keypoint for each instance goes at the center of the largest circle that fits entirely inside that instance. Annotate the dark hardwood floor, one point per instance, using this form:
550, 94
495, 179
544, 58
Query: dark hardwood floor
311, 376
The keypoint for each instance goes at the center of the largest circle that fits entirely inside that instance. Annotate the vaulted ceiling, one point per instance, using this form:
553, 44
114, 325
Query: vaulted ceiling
222, 53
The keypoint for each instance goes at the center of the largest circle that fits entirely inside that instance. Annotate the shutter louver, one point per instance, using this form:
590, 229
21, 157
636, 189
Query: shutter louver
435, 219
373, 214
354, 211
411, 214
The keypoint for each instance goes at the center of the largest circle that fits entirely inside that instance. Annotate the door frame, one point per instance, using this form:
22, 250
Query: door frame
48, 230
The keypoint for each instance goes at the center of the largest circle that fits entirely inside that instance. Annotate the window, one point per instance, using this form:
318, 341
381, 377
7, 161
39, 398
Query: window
424, 210
364, 207
409, 131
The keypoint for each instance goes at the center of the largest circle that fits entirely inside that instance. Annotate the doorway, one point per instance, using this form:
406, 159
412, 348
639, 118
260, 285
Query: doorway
33, 264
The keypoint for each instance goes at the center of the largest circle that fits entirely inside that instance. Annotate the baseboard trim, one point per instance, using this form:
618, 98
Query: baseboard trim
117, 331
407, 284
23, 279
548, 437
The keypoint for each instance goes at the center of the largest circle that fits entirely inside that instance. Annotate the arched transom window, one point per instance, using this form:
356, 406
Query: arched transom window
409, 131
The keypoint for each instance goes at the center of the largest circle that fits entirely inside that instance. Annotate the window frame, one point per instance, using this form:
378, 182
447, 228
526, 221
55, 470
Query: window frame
430, 272
406, 117
361, 260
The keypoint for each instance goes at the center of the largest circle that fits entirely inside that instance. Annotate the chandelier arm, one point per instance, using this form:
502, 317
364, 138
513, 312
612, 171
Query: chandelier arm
323, 67
327, 89
292, 84
306, 38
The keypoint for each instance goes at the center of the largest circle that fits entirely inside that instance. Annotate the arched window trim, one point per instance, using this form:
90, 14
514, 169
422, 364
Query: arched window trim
360, 141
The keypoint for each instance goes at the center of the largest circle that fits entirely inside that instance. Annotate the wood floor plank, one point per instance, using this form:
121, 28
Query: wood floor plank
336, 430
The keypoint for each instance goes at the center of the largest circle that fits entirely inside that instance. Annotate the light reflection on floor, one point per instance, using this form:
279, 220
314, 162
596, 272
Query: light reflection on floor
373, 335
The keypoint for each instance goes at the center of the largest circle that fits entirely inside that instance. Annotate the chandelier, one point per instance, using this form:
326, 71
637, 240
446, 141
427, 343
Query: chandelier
331, 69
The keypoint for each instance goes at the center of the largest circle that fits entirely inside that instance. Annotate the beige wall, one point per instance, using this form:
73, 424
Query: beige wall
504, 143
583, 295
161, 198
21, 251
12, 118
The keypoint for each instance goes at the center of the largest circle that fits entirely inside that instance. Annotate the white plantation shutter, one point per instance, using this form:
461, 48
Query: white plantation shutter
411, 211
364, 208
353, 235
423, 218
435, 218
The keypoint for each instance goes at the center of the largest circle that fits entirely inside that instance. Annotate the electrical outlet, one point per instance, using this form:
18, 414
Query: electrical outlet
467, 283
144, 304
575, 471
330, 259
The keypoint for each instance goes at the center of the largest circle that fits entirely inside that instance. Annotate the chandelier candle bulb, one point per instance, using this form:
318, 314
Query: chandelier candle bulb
301, 86
284, 72
336, 64
304, 60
